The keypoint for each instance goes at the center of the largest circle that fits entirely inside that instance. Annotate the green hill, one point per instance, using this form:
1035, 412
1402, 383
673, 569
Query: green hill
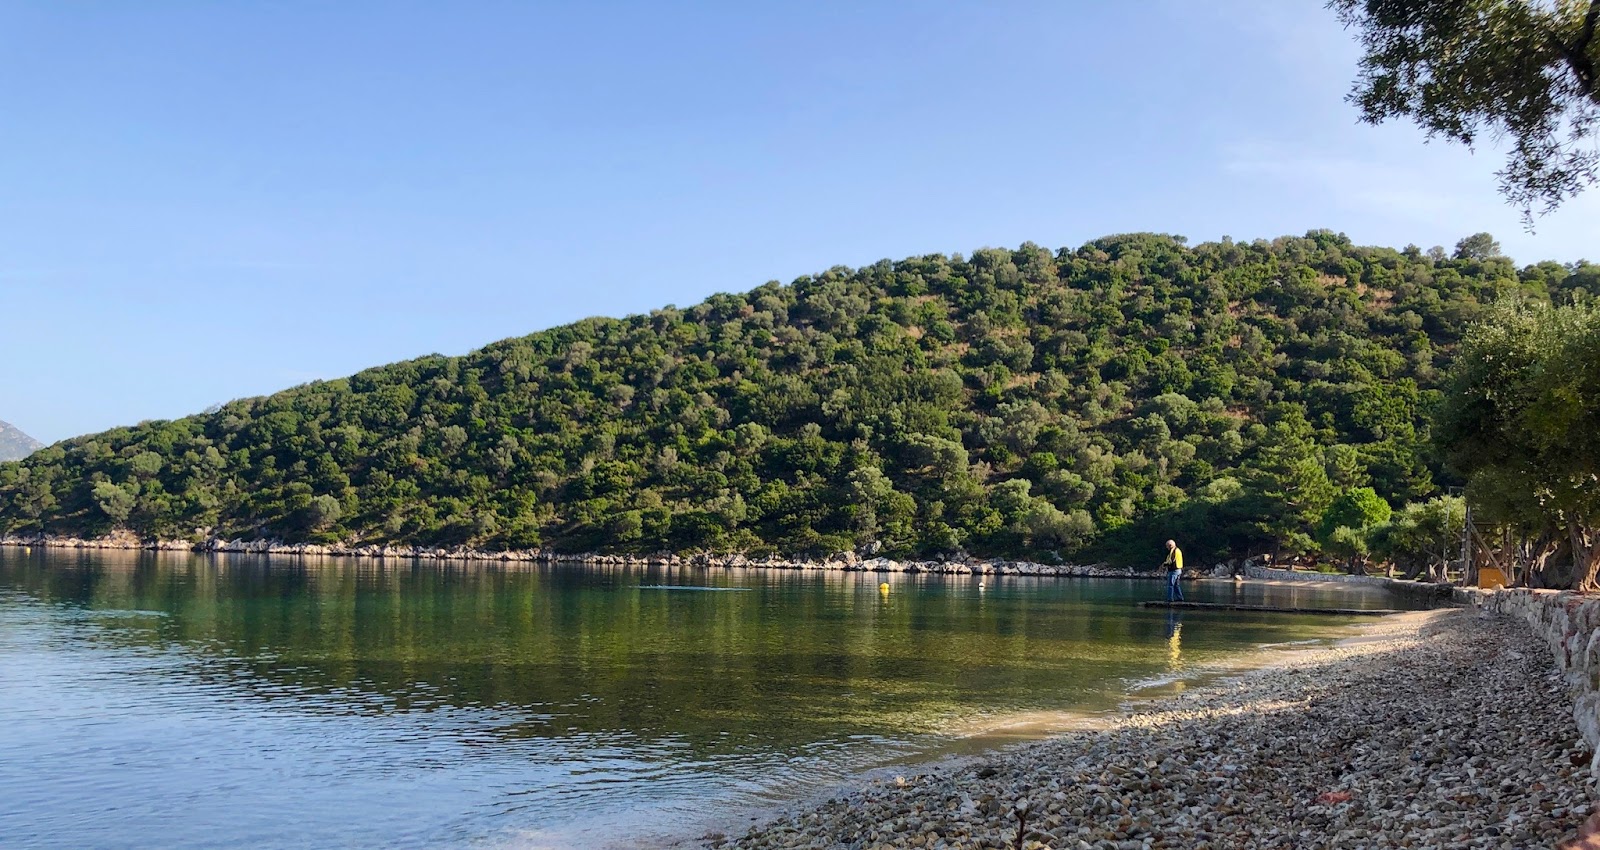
15, 445
1071, 404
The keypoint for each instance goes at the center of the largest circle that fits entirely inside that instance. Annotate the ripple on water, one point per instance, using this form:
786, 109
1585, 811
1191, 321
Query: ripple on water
688, 587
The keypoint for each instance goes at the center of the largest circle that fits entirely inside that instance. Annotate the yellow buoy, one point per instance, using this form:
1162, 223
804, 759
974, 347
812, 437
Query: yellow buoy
883, 588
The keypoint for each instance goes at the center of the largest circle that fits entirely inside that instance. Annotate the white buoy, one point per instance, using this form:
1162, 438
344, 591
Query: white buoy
980, 585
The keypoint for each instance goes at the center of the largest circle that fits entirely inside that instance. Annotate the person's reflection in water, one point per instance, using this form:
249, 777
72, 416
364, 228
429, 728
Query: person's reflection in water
1174, 640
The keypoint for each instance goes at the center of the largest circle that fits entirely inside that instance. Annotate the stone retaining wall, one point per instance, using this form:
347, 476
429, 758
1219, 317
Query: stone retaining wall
1271, 574
1570, 624
1416, 588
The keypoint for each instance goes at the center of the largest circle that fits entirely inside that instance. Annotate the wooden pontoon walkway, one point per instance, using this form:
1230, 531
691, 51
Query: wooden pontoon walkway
1270, 609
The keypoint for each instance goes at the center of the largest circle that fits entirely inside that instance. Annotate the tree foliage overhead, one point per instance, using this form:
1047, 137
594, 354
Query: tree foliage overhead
1081, 403
1463, 69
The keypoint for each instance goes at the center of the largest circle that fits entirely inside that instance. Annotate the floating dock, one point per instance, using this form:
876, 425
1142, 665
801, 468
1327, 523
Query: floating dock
1270, 609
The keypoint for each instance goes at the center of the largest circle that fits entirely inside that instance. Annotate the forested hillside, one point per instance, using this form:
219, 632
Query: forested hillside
1072, 404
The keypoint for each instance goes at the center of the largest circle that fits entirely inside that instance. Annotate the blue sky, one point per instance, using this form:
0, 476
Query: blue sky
205, 201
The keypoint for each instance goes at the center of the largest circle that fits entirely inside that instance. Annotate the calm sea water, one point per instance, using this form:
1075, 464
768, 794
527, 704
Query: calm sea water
188, 702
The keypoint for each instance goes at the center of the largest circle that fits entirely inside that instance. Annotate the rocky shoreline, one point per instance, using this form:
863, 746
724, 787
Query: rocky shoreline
1444, 729
842, 562
848, 561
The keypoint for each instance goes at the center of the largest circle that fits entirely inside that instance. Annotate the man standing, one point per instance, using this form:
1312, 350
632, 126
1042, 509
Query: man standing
1174, 565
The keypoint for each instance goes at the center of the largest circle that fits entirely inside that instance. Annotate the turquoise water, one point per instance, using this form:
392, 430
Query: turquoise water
192, 702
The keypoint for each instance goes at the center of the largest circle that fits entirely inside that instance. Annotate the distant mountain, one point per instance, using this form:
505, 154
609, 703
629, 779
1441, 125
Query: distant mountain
15, 445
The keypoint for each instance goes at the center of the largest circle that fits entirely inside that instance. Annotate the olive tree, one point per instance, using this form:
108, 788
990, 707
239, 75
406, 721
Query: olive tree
1343, 527
1521, 420
1420, 537
1463, 69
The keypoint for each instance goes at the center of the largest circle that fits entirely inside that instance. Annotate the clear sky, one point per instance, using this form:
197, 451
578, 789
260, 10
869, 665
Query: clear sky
205, 201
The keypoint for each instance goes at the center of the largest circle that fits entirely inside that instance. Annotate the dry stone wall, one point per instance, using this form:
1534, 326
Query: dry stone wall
1569, 623
1424, 589
1270, 574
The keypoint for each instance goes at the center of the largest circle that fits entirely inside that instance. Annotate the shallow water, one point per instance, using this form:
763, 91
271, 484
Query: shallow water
195, 702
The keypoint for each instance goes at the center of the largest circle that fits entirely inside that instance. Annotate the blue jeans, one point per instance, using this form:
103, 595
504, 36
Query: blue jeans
1174, 592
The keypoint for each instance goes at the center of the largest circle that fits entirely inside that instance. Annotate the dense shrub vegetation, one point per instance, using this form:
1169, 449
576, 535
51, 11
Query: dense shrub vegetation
1070, 404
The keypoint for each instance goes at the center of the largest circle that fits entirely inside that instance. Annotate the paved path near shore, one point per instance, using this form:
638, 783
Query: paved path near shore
1436, 730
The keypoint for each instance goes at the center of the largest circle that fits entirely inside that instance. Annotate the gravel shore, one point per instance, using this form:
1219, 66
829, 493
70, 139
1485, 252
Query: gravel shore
1441, 729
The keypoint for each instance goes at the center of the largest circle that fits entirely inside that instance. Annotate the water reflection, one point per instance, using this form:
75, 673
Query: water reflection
1174, 641
403, 704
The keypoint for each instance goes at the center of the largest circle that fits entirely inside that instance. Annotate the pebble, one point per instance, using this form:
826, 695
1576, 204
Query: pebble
1434, 732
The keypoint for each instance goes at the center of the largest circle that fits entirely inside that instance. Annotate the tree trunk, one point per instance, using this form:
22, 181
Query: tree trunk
1546, 551
1584, 564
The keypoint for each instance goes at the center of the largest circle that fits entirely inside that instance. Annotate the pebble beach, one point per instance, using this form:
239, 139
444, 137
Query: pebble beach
1442, 729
